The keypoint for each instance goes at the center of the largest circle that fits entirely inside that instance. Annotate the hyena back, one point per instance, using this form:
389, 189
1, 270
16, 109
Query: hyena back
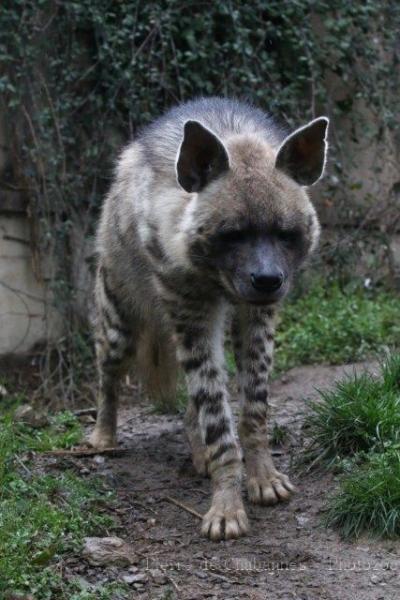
207, 221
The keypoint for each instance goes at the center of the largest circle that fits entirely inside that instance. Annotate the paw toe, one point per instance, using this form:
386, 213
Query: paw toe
224, 526
269, 491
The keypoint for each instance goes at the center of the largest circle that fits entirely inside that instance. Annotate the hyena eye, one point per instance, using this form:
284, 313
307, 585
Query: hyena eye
289, 236
232, 236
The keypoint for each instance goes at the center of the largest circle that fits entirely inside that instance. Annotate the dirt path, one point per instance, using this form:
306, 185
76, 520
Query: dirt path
287, 555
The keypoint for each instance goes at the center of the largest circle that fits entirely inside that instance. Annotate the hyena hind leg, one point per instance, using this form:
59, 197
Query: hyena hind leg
197, 445
157, 367
114, 353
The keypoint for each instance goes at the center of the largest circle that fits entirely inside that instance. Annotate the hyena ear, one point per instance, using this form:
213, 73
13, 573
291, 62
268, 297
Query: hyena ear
302, 155
201, 158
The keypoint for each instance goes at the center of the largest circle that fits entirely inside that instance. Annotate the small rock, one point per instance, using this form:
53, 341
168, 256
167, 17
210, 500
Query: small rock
376, 579
30, 416
108, 551
158, 576
99, 460
136, 578
201, 574
225, 585
3, 391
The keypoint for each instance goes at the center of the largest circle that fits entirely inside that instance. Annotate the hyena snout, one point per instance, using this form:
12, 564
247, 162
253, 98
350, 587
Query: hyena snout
267, 282
259, 274
264, 284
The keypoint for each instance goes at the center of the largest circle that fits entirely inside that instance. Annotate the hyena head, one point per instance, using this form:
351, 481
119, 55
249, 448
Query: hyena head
251, 221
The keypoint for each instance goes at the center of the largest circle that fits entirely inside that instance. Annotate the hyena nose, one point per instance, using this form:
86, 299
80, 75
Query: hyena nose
267, 282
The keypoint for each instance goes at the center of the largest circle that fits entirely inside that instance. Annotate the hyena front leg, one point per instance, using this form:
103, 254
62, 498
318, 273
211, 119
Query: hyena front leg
200, 336
254, 336
114, 344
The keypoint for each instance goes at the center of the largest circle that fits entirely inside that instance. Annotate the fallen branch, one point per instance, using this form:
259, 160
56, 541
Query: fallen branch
89, 452
184, 507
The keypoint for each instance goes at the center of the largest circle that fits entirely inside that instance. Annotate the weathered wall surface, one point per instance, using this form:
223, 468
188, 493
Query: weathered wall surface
26, 316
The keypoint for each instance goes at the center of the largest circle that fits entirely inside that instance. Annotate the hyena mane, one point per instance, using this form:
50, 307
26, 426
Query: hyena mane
207, 222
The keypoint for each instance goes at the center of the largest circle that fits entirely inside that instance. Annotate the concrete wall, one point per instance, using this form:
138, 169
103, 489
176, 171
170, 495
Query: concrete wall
26, 316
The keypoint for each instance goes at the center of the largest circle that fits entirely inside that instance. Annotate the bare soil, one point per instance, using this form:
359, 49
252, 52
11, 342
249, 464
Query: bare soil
288, 553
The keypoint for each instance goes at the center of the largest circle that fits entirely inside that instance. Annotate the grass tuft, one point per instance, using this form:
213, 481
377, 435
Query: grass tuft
391, 373
369, 498
279, 434
359, 414
356, 427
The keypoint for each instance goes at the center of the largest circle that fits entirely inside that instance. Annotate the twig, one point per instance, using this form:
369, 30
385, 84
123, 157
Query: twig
221, 577
174, 584
184, 507
89, 452
17, 458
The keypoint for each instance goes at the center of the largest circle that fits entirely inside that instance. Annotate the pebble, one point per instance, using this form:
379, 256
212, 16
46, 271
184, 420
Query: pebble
108, 551
301, 519
158, 576
201, 574
136, 578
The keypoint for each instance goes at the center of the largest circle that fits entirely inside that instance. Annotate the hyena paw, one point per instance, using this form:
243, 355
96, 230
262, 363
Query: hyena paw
102, 439
269, 489
226, 518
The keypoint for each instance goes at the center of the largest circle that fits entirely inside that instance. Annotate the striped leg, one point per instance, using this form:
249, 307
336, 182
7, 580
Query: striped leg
200, 333
254, 343
114, 349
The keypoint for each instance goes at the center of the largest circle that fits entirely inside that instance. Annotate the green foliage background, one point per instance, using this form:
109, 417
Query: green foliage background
78, 78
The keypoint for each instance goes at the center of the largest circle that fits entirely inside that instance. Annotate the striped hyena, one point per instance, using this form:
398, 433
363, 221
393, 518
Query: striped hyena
206, 223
